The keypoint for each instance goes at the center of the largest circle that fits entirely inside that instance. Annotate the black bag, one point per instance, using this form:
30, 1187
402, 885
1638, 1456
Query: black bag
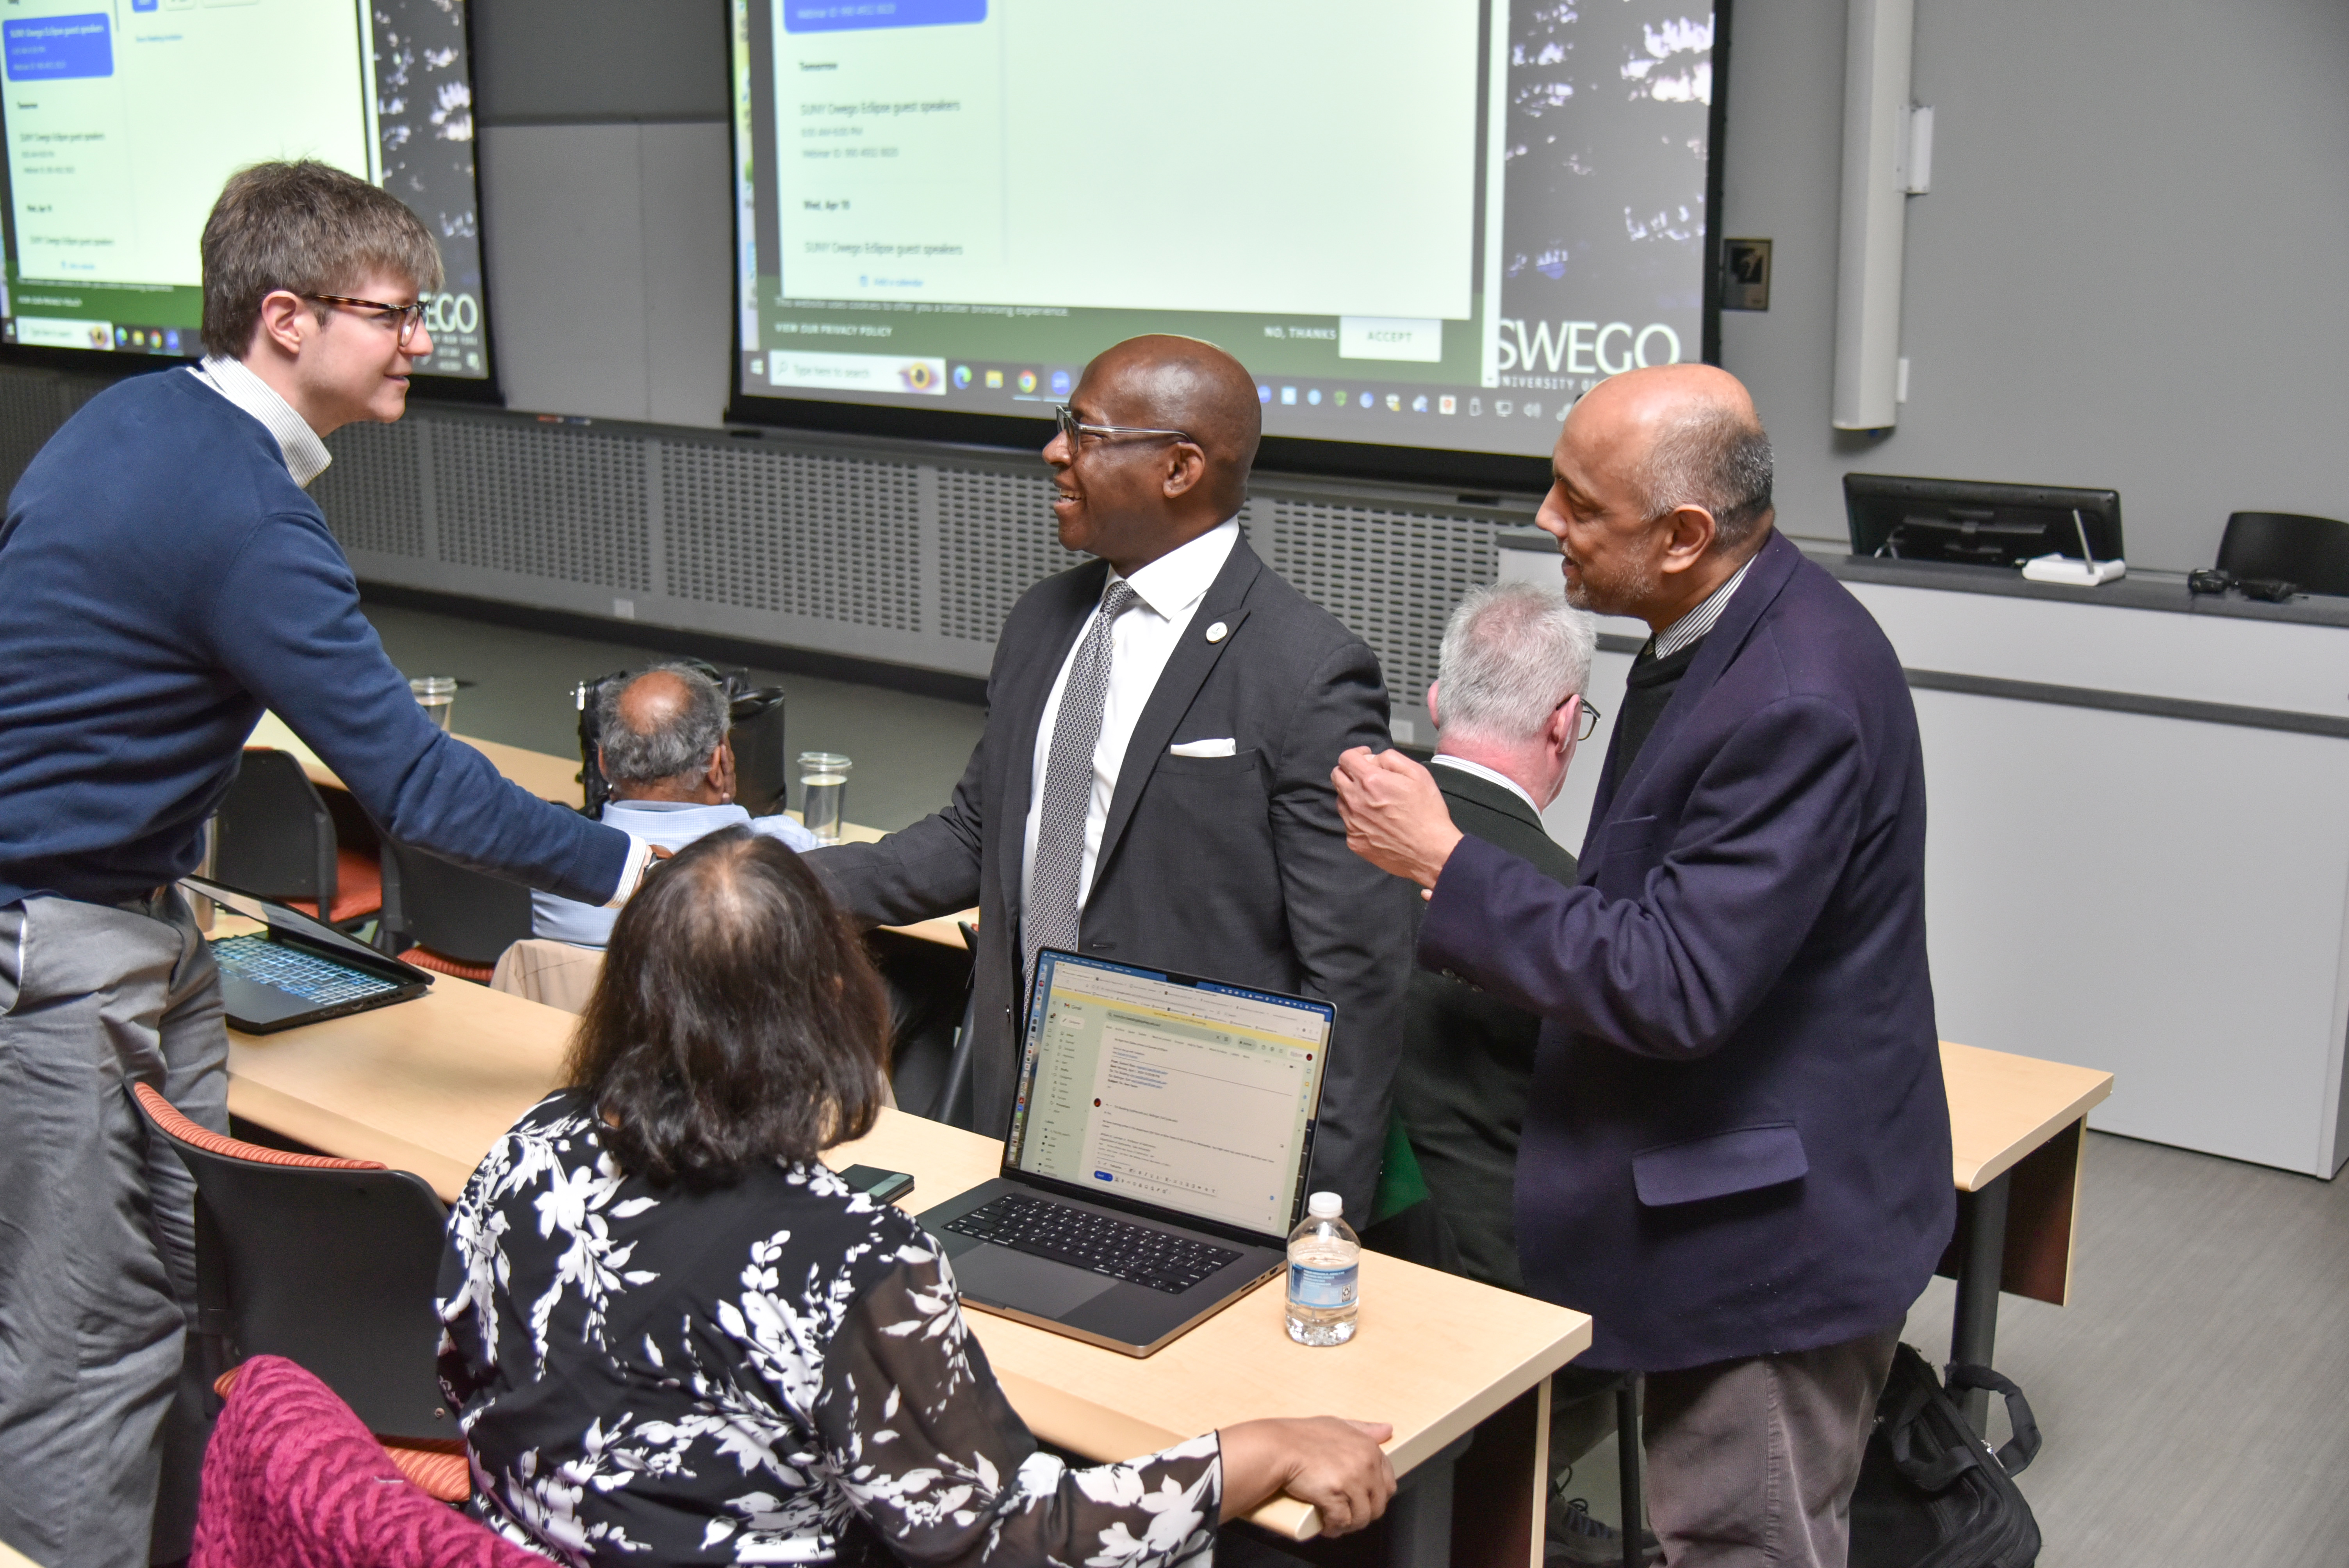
1934, 1495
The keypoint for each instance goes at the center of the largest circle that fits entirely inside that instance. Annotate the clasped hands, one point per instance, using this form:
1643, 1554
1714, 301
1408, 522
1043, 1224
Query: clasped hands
1395, 816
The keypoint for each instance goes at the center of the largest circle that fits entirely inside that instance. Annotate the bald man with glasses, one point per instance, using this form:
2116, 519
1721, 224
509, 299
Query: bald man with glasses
1154, 785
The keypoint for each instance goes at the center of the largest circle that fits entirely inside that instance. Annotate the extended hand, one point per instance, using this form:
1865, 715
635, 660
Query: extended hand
1395, 817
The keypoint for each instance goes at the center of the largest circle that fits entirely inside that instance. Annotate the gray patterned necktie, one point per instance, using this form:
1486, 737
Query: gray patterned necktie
1051, 918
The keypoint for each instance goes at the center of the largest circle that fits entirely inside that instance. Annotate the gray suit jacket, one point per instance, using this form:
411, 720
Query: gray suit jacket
1231, 868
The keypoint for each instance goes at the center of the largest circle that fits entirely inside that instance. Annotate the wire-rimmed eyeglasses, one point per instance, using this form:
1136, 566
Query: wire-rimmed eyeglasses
1075, 428
402, 318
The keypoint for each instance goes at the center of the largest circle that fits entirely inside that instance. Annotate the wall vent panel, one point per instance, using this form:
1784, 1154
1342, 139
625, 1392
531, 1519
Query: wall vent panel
996, 541
371, 493
1392, 576
794, 533
541, 503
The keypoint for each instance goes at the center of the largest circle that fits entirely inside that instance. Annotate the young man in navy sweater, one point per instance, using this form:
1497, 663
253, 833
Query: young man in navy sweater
164, 579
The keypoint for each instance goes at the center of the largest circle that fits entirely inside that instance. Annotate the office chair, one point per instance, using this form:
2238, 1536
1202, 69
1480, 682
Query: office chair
331, 1264
274, 836
2312, 551
440, 915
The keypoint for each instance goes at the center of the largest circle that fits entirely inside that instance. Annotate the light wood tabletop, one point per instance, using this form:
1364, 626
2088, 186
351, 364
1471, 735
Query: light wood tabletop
428, 1085
556, 778
2003, 1107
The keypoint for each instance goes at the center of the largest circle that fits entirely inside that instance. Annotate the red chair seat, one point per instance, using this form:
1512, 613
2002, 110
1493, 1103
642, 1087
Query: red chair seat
441, 964
358, 888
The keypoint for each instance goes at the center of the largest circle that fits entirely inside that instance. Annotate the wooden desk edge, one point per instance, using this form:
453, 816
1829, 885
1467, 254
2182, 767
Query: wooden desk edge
339, 1135
1080, 1426
2018, 1150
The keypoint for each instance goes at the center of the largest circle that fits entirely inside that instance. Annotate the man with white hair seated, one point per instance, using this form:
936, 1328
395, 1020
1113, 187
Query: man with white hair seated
665, 752
1508, 710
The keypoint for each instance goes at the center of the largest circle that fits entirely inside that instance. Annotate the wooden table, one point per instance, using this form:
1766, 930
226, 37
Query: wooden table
428, 1085
556, 778
2016, 1128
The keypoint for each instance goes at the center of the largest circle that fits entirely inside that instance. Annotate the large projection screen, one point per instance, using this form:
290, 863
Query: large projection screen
123, 119
1425, 225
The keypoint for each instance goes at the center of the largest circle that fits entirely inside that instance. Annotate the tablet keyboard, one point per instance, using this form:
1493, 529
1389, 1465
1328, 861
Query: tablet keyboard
317, 980
1138, 1254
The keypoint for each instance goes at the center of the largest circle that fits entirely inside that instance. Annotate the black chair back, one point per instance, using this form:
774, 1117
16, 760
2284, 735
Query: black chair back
761, 766
2312, 551
460, 913
273, 835
329, 1263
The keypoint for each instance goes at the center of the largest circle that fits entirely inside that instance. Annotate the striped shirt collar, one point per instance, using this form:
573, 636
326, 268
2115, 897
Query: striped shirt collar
306, 455
1702, 619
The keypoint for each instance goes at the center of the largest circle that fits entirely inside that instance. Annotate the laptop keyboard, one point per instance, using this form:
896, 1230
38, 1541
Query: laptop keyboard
297, 973
1138, 1255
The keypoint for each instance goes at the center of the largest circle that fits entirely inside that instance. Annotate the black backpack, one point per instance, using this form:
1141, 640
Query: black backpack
1934, 1495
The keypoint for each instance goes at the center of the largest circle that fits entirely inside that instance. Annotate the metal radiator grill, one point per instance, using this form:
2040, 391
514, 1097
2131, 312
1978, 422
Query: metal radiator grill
33, 404
370, 494
996, 541
833, 539
552, 504
1390, 575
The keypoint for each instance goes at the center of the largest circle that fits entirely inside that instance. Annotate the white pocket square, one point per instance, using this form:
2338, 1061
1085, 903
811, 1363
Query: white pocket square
1202, 748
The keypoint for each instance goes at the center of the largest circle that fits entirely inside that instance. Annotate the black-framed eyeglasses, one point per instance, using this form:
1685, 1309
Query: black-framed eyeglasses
1590, 724
403, 318
1075, 428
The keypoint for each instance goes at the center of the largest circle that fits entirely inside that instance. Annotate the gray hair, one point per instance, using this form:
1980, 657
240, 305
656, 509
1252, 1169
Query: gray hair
1512, 653
679, 746
1716, 457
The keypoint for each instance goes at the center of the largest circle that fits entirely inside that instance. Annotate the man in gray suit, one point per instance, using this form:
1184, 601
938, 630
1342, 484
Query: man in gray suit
1152, 786
1508, 708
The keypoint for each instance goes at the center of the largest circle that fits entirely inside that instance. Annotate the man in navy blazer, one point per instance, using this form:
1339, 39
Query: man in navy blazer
1737, 1150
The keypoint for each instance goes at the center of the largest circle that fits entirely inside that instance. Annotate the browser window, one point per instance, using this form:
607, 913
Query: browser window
1193, 1097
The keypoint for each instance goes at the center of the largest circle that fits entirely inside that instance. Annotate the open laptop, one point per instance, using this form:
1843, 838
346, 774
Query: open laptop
1161, 1136
299, 970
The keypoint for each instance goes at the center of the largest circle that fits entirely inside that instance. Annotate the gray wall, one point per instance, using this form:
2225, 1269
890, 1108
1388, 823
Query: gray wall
2129, 272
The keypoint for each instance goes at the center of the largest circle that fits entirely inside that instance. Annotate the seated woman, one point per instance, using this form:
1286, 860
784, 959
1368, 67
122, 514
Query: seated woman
674, 1337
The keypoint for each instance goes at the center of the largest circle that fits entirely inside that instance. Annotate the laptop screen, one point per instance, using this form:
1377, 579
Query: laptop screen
1186, 1094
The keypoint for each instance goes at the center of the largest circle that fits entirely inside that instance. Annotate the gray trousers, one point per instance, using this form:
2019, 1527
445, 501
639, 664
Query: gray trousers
99, 1406
1752, 1462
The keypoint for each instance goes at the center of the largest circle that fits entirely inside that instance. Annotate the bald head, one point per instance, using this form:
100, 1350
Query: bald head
1681, 435
1187, 426
663, 737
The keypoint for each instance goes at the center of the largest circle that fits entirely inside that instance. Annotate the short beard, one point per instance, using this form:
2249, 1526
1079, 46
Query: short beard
1617, 596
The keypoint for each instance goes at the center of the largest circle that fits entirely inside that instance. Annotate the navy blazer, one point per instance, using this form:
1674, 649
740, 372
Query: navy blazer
1737, 1139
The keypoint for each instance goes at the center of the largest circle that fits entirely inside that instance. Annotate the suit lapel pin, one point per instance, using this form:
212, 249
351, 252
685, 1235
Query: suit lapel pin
1218, 631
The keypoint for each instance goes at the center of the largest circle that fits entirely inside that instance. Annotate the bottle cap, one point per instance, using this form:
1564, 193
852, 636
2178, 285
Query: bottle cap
1325, 1205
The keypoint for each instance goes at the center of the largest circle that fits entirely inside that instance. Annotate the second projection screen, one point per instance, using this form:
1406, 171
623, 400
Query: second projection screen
1420, 223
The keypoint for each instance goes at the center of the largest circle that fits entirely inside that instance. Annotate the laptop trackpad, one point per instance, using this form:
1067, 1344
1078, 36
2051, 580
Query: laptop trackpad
1031, 1284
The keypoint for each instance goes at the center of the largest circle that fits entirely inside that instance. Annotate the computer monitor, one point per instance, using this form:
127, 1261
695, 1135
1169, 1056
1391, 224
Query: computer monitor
1969, 522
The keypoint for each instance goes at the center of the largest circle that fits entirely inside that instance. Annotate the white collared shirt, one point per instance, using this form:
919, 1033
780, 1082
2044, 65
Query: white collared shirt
1490, 775
1702, 619
306, 455
1167, 594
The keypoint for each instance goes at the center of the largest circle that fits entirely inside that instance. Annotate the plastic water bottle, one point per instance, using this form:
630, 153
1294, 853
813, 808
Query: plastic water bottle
1325, 1265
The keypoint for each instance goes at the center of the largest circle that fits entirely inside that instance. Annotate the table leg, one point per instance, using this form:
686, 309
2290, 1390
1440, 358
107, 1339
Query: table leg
1982, 1220
1628, 1457
1418, 1520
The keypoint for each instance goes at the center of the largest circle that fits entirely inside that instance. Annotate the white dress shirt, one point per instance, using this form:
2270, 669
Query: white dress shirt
1167, 594
306, 455
1490, 775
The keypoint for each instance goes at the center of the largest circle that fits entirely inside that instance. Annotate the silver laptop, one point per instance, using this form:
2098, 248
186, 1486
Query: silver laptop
1161, 1139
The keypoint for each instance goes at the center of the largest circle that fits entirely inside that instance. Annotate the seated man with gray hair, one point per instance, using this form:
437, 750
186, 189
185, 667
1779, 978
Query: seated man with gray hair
665, 754
1508, 710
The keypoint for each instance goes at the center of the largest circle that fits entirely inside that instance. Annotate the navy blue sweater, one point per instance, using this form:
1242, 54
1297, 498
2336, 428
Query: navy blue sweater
162, 581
